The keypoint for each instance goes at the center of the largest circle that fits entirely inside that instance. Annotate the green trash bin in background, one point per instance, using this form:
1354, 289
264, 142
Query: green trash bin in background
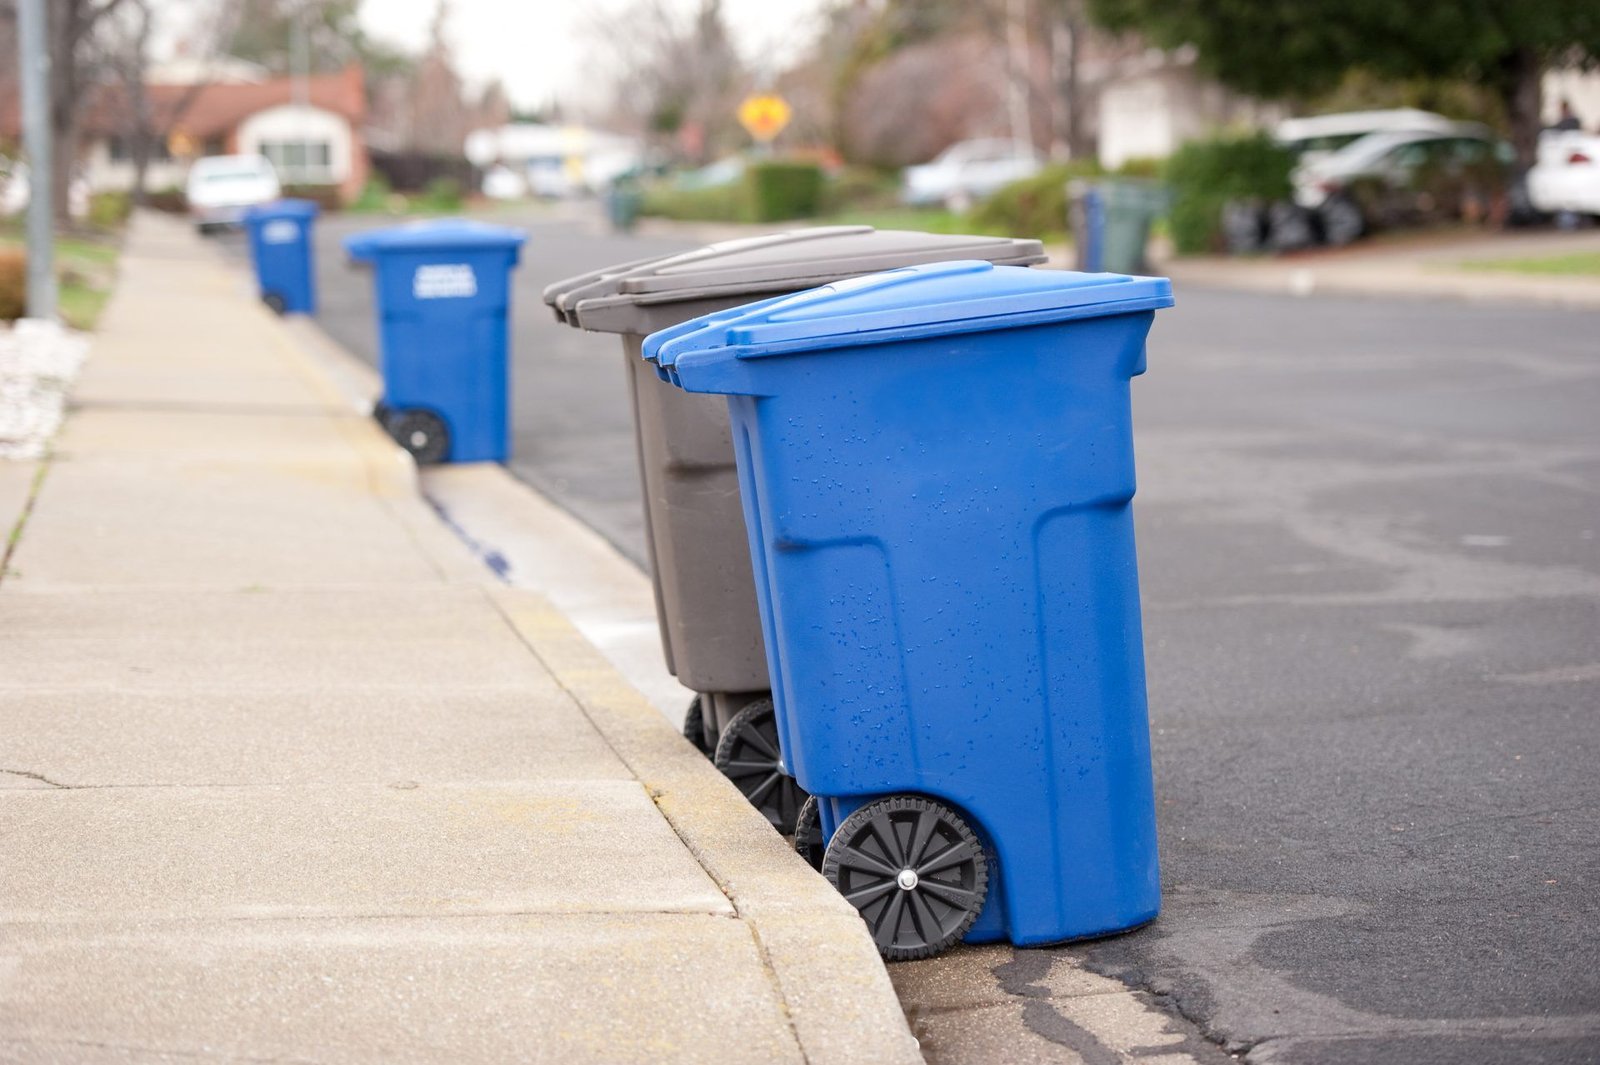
1111, 220
623, 199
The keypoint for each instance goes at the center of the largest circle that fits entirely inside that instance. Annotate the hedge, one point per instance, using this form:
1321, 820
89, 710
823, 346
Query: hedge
326, 197
1205, 175
771, 191
1035, 206
109, 210
776, 191
720, 204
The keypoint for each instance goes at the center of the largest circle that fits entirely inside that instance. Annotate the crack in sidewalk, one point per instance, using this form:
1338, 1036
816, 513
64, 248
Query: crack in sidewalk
40, 777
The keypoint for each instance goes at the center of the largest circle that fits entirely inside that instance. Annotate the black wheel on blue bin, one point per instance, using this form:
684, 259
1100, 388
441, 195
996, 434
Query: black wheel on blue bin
694, 725
747, 754
380, 413
421, 432
808, 833
915, 871
277, 303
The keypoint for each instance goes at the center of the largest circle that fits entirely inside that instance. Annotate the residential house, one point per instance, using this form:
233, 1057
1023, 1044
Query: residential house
1152, 102
310, 128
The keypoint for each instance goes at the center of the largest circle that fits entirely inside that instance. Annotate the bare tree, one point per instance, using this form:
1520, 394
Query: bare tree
1068, 26
73, 72
125, 52
677, 78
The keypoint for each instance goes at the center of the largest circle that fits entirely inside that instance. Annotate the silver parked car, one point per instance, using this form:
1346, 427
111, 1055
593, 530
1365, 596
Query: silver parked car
968, 171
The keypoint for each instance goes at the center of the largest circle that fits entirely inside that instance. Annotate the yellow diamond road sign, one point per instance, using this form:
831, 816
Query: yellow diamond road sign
764, 116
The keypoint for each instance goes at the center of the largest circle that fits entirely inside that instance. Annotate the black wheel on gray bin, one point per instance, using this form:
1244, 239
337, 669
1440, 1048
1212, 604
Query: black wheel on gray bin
276, 302
747, 754
808, 833
694, 725
914, 869
421, 432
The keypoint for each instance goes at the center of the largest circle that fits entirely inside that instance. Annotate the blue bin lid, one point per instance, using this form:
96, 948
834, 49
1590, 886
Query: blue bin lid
282, 209
916, 301
444, 234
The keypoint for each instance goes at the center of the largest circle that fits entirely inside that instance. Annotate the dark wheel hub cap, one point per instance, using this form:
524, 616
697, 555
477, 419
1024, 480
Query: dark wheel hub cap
422, 433
748, 755
915, 871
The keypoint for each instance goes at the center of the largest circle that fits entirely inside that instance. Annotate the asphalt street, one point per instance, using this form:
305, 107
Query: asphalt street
1371, 577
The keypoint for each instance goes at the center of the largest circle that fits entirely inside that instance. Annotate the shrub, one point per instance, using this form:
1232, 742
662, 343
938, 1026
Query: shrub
169, 199
109, 210
441, 194
857, 188
13, 283
374, 196
326, 197
1035, 206
777, 190
1143, 166
1206, 174
722, 203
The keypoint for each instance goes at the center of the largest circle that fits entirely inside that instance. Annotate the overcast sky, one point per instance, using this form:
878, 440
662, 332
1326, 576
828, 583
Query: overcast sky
538, 47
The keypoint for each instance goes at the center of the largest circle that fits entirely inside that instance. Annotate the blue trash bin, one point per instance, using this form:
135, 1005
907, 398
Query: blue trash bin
443, 292
936, 466
280, 248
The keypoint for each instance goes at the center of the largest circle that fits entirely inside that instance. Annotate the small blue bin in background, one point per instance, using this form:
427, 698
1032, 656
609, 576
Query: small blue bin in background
936, 466
280, 248
443, 292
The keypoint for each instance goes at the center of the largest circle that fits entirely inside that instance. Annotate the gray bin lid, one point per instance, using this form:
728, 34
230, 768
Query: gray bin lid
618, 299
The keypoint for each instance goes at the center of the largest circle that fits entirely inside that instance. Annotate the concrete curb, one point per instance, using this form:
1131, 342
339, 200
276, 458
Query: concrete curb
840, 1000
835, 988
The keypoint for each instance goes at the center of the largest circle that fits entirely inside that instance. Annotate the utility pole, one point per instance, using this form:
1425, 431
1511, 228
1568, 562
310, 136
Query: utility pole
33, 64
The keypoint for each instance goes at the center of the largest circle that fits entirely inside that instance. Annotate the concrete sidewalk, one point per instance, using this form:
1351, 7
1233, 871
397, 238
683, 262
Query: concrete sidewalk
285, 775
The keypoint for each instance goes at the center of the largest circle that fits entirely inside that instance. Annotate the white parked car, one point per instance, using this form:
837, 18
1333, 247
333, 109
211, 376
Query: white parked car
500, 182
1317, 136
550, 178
1565, 179
220, 187
968, 171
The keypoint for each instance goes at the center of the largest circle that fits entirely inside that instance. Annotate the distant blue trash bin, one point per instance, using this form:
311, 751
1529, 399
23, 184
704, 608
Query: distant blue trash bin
936, 466
443, 297
281, 249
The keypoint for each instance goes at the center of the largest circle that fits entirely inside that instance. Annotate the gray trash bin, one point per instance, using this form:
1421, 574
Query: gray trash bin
694, 524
